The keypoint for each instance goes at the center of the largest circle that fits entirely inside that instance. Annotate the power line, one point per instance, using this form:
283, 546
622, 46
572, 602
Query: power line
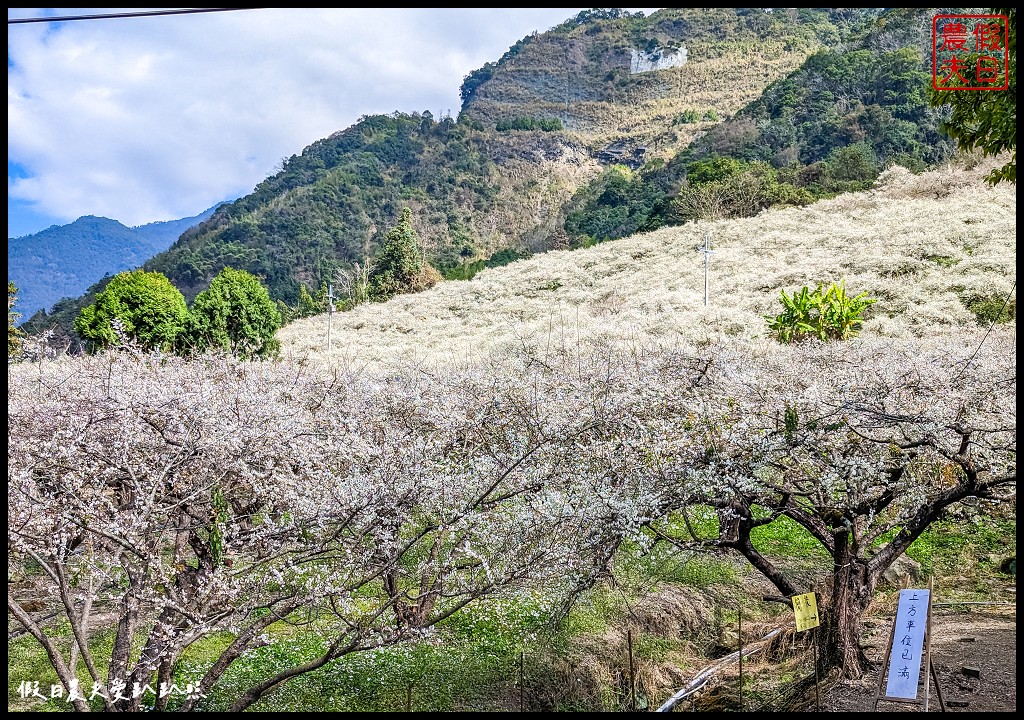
147, 13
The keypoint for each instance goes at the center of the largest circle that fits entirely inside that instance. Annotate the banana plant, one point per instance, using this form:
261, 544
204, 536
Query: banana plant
825, 314
841, 314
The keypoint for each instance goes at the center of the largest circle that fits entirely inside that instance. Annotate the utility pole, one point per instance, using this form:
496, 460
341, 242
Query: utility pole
330, 313
707, 256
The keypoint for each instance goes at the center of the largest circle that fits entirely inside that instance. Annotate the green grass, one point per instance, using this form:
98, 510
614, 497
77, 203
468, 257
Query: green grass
953, 547
466, 271
652, 647
27, 660
703, 572
456, 666
784, 537
473, 658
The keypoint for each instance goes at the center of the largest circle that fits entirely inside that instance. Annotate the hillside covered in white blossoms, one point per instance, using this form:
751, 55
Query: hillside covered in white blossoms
927, 246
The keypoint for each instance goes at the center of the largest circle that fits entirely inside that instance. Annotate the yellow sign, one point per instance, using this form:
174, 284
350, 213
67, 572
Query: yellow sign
806, 609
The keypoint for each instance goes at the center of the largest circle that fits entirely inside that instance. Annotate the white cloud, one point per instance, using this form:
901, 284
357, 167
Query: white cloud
144, 119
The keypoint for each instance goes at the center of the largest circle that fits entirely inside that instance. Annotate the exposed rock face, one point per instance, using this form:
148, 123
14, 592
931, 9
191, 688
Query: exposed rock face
621, 152
641, 61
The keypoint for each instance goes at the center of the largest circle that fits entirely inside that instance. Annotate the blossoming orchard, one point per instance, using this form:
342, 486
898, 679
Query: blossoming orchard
170, 500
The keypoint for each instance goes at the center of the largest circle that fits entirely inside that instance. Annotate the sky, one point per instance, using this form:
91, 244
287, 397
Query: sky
156, 118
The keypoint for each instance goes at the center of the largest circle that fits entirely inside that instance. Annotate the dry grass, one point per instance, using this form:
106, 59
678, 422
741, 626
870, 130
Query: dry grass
723, 81
676, 634
671, 628
917, 243
584, 81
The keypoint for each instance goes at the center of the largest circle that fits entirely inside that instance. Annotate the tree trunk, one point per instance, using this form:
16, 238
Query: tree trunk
841, 617
165, 676
86, 616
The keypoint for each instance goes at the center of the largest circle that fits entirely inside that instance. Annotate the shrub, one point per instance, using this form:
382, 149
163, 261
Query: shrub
147, 307
855, 163
234, 314
828, 315
687, 117
310, 304
722, 187
466, 271
528, 123
712, 168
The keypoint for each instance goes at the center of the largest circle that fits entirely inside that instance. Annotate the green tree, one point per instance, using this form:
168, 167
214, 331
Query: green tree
311, 304
145, 306
13, 333
986, 120
235, 314
398, 266
856, 162
712, 168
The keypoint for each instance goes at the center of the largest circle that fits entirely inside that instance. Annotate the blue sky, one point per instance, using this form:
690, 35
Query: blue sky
159, 118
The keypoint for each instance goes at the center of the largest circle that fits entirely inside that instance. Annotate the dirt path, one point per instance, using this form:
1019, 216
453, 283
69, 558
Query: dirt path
964, 640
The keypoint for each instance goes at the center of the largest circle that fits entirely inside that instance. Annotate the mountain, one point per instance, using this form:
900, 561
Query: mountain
64, 260
536, 125
573, 136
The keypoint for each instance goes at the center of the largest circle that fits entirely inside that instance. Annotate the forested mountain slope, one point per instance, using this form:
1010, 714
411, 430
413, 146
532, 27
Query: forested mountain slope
480, 184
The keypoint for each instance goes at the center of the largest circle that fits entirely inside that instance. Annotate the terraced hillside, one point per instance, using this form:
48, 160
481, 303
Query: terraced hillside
591, 72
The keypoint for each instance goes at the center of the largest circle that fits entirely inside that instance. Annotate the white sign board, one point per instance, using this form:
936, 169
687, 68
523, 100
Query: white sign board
907, 644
